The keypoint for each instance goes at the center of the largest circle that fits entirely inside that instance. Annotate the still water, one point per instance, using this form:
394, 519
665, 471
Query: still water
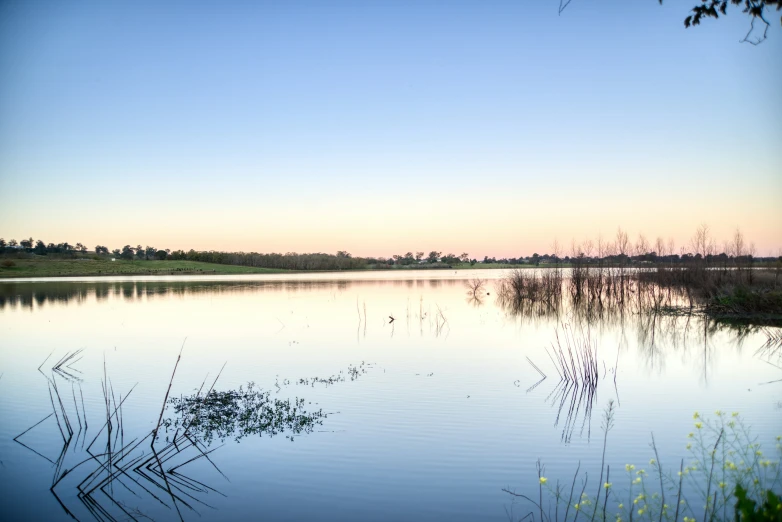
426, 417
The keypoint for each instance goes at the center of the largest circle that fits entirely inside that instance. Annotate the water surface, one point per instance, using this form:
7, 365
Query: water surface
425, 417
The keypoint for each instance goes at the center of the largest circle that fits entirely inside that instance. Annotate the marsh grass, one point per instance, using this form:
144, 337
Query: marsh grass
728, 477
150, 470
733, 294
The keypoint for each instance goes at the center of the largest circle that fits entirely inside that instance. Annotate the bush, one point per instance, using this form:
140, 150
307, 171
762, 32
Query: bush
8, 263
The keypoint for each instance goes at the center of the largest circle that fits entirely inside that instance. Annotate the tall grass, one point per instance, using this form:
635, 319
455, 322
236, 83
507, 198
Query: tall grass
721, 292
726, 477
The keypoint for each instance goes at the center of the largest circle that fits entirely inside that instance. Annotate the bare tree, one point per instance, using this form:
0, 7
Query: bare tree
641, 246
622, 242
476, 286
737, 246
702, 243
588, 247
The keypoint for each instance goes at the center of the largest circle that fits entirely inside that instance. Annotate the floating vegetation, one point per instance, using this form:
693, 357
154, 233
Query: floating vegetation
118, 477
240, 413
351, 374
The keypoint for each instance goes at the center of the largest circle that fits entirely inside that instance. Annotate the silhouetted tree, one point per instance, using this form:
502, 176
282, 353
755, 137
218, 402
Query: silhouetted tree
757, 10
433, 256
40, 248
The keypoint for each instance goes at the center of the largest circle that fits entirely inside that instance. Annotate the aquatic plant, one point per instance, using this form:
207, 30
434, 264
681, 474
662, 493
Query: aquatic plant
728, 473
240, 413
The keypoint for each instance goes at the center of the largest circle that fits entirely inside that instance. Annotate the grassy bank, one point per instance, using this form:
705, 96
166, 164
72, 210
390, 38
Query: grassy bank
52, 267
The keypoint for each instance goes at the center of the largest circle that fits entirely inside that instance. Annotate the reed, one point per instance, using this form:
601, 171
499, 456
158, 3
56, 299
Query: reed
728, 472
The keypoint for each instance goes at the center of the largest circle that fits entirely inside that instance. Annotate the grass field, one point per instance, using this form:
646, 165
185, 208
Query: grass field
49, 267
485, 266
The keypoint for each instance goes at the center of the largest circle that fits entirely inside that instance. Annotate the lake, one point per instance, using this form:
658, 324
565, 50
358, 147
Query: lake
351, 415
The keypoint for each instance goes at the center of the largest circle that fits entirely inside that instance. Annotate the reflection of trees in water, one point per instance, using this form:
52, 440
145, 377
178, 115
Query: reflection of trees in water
654, 319
25, 295
657, 332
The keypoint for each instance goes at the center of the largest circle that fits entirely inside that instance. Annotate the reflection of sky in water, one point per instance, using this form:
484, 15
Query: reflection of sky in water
442, 420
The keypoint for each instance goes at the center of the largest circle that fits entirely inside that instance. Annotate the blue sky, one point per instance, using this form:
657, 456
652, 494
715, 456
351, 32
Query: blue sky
382, 127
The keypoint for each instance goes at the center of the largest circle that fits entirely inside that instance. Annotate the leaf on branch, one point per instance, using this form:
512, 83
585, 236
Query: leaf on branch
687, 21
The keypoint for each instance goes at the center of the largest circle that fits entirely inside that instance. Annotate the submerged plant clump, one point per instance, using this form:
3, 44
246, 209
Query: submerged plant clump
728, 478
240, 413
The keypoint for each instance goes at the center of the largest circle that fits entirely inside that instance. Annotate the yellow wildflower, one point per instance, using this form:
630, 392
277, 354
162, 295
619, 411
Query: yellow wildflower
629, 467
640, 512
690, 435
689, 446
543, 480
637, 480
722, 485
698, 425
695, 415
607, 485
576, 506
718, 413
734, 414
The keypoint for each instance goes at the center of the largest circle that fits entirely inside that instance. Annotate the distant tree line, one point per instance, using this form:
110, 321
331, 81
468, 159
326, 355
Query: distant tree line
39, 247
289, 261
619, 250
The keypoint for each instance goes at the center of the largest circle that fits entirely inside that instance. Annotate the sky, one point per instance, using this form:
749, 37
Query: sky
488, 127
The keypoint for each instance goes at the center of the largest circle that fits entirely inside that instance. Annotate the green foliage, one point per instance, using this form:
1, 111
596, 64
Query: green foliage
728, 472
747, 509
757, 10
240, 413
94, 265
